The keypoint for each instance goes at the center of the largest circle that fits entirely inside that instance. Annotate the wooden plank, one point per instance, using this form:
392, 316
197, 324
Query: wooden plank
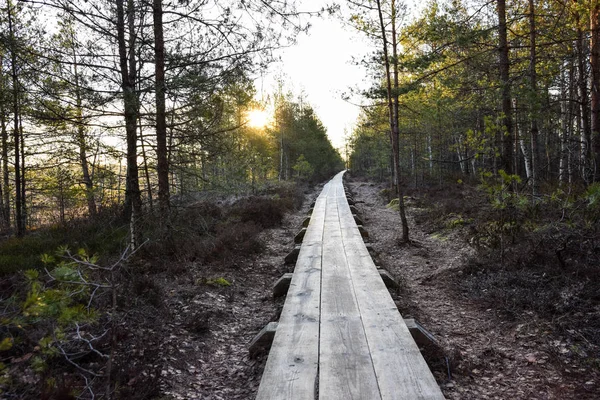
292, 257
421, 335
388, 280
345, 366
292, 366
399, 366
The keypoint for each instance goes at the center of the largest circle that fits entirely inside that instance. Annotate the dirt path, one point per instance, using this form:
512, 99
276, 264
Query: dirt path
490, 357
205, 353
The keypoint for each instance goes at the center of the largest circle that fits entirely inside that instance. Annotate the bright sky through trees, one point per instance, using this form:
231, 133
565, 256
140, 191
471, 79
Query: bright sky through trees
258, 118
320, 66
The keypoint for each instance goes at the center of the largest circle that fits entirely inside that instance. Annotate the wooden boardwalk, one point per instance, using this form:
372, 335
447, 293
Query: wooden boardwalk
340, 335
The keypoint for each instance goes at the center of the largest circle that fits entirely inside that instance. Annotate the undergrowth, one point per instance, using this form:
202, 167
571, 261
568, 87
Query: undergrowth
104, 235
207, 232
535, 255
63, 318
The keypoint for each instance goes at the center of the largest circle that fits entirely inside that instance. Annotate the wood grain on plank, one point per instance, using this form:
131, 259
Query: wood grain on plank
292, 366
340, 322
345, 367
400, 368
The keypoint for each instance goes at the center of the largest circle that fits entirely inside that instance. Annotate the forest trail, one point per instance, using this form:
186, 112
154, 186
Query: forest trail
490, 356
204, 354
340, 334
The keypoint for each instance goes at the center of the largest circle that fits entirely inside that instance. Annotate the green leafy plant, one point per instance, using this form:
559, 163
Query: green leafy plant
303, 168
592, 197
218, 282
508, 204
456, 221
56, 324
394, 204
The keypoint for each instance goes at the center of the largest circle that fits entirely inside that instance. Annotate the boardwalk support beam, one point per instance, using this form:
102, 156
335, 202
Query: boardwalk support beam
388, 279
263, 339
357, 219
300, 236
282, 285
363, 231
422, 336
293, 255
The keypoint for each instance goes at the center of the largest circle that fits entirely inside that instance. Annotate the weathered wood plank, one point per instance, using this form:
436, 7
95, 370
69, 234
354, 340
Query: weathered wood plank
300, 236
292, 366
388, 280
345, 367
292, 256
399, 366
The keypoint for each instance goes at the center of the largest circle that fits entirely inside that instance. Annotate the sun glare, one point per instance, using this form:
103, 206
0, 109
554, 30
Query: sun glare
258, 118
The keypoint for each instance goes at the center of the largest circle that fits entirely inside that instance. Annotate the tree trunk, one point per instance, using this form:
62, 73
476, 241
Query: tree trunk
396, 130
572, 89
5, 177
504, 69
595, 97
534, 132
524, 149
584, 107
133, 201
392, 98
23, 176
16, 131
281, 155
564, 138
161, 122
85, 171
146, 169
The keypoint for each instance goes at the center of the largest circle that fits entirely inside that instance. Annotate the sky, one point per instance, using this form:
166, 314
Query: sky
320, 65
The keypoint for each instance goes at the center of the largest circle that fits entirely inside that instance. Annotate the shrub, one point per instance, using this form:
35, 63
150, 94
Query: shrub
289, 193
54, 325
100, 236
265, 212
146, 288
235, 239
222, 282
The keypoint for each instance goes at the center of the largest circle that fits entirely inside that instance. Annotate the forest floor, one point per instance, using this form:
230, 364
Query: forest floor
519, 324
205, 352
485, 354
197, 346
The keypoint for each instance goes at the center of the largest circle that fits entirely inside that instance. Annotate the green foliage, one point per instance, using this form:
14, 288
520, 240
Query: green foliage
500, 189
394, 204
510, 206
96, 236
61, 299
592, 195
220, 281
299, 132
370, 144
55, 305
6, 344
456, 221
303, 168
